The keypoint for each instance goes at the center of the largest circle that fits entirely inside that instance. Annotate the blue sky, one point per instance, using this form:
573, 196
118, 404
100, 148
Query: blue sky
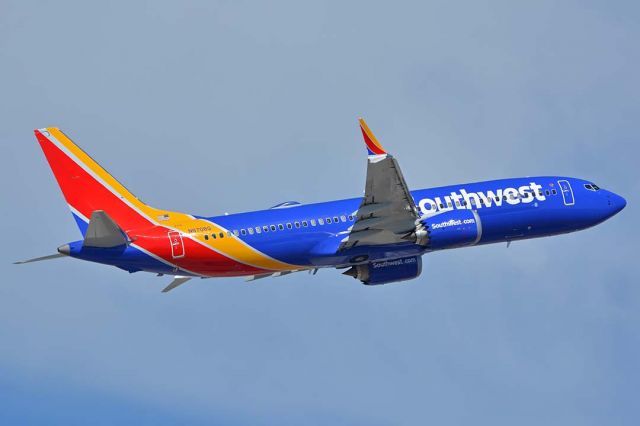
211, 107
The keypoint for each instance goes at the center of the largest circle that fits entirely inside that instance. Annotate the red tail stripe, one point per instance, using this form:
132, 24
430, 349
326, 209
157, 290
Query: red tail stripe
84, 193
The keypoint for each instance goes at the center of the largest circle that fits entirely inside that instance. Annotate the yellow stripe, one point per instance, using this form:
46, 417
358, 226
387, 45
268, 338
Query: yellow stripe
229, 246
234, 247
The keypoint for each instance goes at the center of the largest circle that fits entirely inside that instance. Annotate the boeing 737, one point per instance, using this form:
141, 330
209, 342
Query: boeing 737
378, 238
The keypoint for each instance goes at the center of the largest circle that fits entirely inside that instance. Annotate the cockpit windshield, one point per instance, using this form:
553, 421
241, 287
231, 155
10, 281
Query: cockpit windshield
592, 186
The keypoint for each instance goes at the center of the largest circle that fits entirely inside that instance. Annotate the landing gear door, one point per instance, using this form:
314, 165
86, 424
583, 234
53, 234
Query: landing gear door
177, 245
567, 192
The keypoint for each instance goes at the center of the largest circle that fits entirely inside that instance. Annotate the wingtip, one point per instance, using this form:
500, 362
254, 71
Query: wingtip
373, 146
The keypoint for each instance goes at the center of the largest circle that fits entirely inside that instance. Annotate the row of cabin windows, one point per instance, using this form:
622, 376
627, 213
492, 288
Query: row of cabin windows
504, 197
281, 227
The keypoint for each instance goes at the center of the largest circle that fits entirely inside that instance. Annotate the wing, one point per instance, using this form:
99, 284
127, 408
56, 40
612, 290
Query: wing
387, 213
312, 271
177, 281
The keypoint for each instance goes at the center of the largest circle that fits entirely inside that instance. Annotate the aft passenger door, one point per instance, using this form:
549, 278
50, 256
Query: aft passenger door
177, 245
567, 192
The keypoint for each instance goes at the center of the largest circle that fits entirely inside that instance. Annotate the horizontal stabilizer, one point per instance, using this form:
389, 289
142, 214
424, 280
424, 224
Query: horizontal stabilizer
103, 232
37, 259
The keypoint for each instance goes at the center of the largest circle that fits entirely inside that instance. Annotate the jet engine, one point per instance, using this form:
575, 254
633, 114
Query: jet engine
387, 271
454, 228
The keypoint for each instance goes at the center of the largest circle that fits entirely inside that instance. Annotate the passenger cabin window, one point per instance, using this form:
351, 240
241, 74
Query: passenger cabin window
304, 223
235, 232
281, 227
328, 220
289, 225
547, 192
335, 219
343, 218
222, 235
351, 216
273, 227
313, 222
206, 237
554, 192
265, 228
321, 221
297, 224
243, 232
250, 231
258, 230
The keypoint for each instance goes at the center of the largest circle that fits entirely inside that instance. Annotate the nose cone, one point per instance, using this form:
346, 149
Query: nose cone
616, 203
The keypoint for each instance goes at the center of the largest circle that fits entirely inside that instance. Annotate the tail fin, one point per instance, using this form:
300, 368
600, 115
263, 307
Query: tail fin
87, 187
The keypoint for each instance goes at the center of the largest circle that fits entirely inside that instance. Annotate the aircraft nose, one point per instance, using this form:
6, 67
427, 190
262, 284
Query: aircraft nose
616, 203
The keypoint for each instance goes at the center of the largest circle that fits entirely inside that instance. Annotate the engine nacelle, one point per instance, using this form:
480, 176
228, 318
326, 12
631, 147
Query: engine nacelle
387, 271
455, 228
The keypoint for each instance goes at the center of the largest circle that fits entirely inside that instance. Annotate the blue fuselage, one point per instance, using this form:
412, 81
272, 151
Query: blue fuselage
555, 205
310, 236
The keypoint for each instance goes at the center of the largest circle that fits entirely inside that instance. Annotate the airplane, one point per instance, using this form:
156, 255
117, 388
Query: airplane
378, 238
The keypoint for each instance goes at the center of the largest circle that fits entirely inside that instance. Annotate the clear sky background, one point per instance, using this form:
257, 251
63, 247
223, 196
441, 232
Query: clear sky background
211, 107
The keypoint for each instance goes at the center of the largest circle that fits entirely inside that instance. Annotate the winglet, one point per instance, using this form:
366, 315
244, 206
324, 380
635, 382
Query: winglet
373, 146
